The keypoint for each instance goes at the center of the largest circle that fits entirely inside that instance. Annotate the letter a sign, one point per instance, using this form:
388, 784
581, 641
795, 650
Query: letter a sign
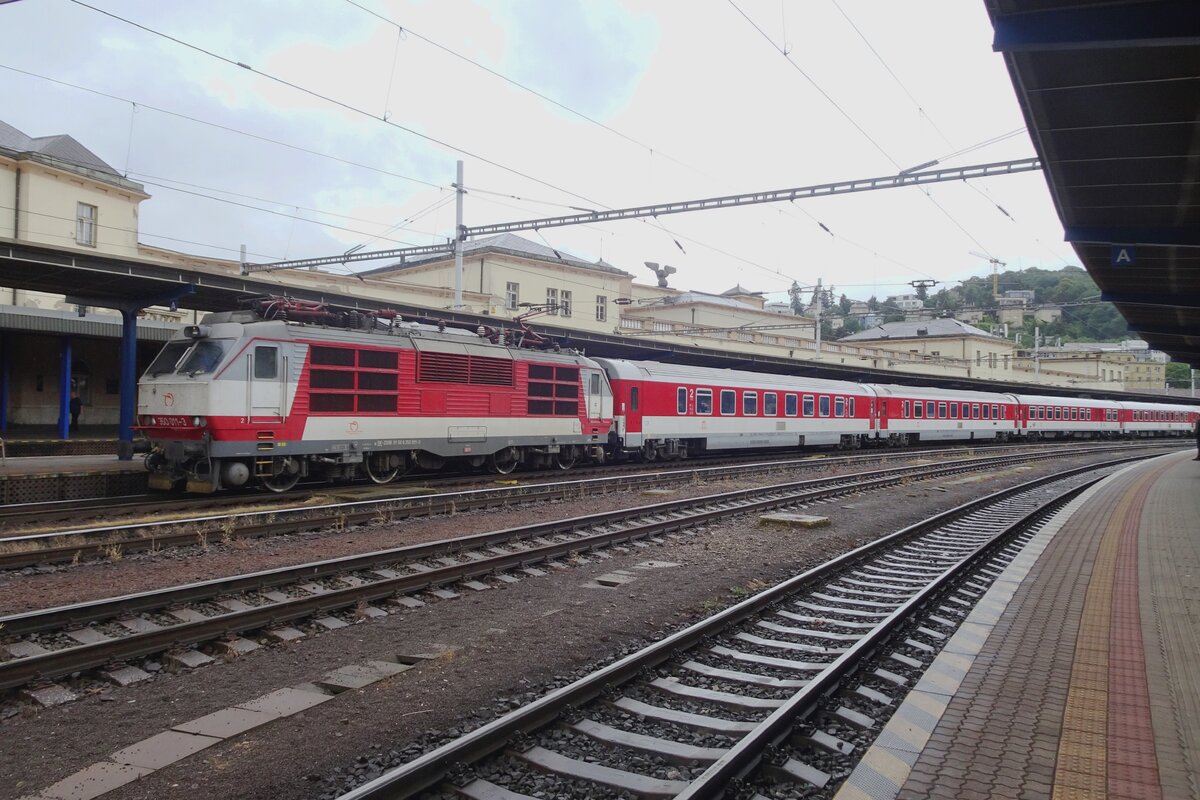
1123, 255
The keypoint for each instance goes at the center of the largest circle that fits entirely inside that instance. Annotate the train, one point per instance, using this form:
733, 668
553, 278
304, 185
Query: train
284, 390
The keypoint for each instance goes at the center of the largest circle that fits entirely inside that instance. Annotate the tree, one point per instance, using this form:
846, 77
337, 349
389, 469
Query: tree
796, 295
845, 304
873, 303
1179, 375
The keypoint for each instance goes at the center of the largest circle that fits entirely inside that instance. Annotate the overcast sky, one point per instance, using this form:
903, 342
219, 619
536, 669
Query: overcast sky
596, 104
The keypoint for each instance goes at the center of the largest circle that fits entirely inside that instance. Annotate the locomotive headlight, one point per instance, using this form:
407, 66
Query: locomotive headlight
199, 421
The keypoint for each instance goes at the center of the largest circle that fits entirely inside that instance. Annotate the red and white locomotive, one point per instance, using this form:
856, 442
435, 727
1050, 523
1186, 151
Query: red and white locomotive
289, 389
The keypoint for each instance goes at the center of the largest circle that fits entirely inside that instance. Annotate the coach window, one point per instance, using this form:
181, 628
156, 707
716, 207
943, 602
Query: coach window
750, 404
943, 413
905, 412
918, 409
954, 411
987, 411
704, 401
824, 405
974, 410
1058, 413
265, 364
809, 408
790, 406
681, 400
770, 404
839, 406
930, 409
728, 401
851, 409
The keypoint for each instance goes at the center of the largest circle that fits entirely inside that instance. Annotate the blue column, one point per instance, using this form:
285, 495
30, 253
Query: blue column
128, 383
64, 389
5, 378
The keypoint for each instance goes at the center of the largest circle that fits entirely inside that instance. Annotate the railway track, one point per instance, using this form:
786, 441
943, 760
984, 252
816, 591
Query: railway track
779, 695
51, 643
297, 515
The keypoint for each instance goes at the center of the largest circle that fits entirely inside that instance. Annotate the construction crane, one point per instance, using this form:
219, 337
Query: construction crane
996, 265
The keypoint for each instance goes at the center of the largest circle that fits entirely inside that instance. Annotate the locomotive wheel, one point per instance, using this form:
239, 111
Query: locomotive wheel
287, 475
565, 458
504, 461
382, 467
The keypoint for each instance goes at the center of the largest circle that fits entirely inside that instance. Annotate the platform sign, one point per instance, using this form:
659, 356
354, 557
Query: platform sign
1123, 255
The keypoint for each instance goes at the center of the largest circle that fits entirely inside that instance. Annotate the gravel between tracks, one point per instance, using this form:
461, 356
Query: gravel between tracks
498, 644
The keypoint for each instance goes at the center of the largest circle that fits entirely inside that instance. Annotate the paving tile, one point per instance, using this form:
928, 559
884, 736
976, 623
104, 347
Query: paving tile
285, 702
162, 749
225, 723
93, 781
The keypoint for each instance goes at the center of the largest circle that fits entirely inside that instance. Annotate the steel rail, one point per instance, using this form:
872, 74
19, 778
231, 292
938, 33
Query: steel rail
665, 517
430, 769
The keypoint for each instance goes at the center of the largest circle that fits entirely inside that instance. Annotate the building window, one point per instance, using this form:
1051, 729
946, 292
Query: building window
512, 294
601, 308
552, 300
565, 305
85, 224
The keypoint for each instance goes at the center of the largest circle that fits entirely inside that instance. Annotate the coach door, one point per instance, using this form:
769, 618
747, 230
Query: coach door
266, 368
594, 387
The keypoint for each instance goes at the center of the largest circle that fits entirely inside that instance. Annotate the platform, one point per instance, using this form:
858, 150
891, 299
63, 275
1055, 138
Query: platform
37, 479
1078, 675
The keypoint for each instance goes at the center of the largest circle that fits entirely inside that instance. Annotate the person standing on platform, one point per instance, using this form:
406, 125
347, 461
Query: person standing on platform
77, 407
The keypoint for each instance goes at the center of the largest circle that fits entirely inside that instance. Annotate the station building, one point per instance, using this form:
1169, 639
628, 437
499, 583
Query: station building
62, 195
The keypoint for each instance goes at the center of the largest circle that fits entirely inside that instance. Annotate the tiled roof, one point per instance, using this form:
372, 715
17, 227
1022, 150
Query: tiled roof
908, 330
61, 147
510, 244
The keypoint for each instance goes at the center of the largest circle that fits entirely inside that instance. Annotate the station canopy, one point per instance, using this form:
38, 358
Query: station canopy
1111, 97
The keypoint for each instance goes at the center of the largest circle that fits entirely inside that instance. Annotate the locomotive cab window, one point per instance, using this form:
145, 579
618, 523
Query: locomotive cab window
728, 401
168, 358
704, 401
204, 357
808, 405
824, 405
265, 363
681, 400
790, 405
750, 404
839, 407
770, 404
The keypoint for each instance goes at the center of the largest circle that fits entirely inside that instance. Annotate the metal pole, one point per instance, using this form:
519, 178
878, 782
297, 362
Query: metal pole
127, 384
458, 238
64, 389
818, 300
1037, 366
